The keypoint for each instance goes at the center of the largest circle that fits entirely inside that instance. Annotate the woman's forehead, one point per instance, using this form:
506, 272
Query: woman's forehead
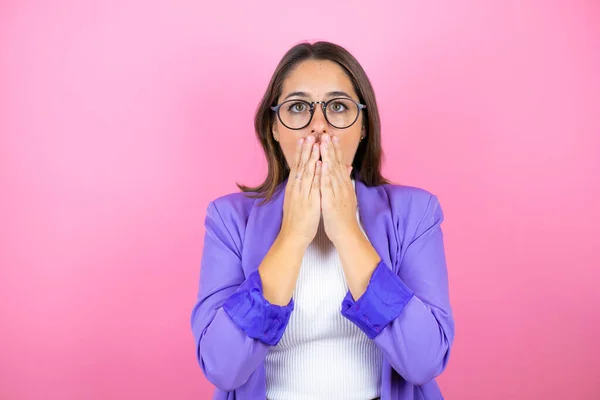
316, 78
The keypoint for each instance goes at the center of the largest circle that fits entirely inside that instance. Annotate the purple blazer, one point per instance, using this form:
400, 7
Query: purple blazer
405, 309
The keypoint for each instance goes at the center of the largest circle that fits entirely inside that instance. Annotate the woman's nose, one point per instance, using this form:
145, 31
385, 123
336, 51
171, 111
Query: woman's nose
318, 124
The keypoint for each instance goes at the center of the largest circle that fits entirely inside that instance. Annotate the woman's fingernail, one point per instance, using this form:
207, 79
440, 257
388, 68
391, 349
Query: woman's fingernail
336, 139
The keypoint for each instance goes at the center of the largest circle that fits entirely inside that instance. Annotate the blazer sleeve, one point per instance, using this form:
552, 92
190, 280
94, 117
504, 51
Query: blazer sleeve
408, 314
233, 324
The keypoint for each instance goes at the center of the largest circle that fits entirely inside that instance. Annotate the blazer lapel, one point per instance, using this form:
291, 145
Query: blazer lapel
262, 228
376, 219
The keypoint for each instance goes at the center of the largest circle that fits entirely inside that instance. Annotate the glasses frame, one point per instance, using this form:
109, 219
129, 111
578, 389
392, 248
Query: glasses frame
324, 104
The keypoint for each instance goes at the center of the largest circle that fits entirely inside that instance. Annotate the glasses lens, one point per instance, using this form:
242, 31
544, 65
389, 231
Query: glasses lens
294, 114
341, 113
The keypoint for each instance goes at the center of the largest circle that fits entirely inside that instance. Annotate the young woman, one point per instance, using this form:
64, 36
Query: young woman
326, 281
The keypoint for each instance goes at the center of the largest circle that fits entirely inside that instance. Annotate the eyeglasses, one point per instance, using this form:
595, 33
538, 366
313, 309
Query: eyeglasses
340, 112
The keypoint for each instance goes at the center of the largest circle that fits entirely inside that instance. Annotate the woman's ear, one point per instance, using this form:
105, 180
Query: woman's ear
275, 135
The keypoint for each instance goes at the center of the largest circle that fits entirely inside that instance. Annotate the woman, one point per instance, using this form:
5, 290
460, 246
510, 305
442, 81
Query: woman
331, 284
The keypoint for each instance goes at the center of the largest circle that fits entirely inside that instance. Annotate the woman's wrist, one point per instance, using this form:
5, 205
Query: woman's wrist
350, 239
292, 243
280, 267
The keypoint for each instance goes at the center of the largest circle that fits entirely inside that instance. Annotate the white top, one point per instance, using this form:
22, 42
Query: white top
322, 355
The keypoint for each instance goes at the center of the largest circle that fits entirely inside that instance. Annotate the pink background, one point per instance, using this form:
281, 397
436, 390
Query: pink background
120, 120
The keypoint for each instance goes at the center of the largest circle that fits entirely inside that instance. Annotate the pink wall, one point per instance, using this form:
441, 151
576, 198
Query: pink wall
119, 121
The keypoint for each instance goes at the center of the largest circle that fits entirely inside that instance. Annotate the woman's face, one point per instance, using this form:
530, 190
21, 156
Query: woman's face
317, 80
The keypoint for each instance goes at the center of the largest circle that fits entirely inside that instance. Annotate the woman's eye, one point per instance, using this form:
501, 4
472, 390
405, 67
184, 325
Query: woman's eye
297, 107
337, 107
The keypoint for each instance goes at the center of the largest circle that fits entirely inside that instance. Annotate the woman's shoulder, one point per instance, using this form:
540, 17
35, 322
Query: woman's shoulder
232, 204
411, 201
402, 193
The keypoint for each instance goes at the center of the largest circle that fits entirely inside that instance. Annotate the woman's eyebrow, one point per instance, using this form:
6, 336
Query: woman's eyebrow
335, 93
338, 93
298, 94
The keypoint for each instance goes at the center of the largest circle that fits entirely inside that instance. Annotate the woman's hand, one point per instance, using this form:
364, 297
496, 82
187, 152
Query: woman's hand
338, 201
301, 215
338, 198
302, 203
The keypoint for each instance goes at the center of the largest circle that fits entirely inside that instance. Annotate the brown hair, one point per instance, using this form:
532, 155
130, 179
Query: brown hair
369, 155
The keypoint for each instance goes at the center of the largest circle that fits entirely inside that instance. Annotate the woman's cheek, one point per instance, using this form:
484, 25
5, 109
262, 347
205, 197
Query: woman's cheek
348, 154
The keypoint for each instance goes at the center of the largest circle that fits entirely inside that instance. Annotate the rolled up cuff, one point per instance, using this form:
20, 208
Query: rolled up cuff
382, 302
254, 315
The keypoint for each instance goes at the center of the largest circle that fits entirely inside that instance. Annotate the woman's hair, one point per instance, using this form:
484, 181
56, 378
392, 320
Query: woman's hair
368, 158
